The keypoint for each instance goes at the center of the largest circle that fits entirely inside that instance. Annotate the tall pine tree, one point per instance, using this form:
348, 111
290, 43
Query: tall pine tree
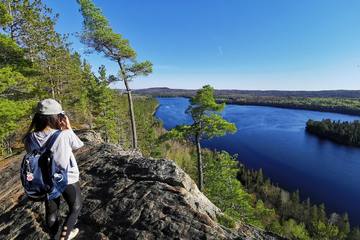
99, 36
207, 123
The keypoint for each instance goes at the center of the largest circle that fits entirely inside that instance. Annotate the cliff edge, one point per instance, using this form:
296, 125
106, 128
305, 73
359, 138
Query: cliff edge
125, 196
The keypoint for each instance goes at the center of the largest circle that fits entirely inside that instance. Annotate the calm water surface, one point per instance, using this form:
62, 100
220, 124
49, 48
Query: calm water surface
275, 140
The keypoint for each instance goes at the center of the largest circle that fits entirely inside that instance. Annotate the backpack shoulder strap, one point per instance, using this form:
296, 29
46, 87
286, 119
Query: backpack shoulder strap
31, 140
49, 143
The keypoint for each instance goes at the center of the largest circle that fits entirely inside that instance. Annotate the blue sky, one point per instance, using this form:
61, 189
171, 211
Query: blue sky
233, 44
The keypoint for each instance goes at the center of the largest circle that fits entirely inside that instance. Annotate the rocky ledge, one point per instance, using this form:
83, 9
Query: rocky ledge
126, 196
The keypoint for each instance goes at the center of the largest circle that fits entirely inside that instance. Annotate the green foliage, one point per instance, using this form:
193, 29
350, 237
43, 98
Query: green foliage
329, 104
11, 113
226, 221
136, 69
15, 92
11, 54
207, 123
325, 231
343, 224
32, 26
182, 152
12, 81
147, 125
256, 201
204, 102
354, 234
5, 17
214, 125
177, 133
99, 36
295, 231
222, 187
226, 192
341, 132
36, 62
288, 206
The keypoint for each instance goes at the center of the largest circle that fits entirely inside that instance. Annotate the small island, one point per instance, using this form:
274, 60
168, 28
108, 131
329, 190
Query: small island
347, 133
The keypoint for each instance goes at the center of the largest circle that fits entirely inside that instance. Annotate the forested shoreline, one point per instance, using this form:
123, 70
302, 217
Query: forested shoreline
289, 205
248, 195
335, 105
347, 133
36, 62
345, 102
234, 93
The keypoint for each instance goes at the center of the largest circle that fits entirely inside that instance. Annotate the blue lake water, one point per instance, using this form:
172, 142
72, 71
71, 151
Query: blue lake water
275, 140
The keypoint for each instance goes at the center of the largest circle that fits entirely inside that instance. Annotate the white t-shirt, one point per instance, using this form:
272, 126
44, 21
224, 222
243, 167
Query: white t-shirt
62, 150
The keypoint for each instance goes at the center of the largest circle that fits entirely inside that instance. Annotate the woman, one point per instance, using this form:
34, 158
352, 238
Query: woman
48, 119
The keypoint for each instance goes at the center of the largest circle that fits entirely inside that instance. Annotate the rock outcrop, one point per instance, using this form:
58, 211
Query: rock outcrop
126, 196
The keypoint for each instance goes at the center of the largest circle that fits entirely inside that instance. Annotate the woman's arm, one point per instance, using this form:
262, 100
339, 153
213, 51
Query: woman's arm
74, 140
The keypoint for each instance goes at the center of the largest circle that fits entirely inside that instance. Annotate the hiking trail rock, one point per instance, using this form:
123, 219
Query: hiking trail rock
125, 196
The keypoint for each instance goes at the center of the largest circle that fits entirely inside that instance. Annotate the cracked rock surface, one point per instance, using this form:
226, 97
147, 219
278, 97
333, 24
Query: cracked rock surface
125, 196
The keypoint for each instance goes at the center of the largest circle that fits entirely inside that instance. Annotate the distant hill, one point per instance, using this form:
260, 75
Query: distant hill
231, 93
338, 101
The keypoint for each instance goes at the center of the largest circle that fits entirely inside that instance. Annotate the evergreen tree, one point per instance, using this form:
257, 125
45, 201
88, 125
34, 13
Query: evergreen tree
322, 213
225, 191
99, 36
354, 234
341, 132
207, 123
325, 231
295, 231
16, 87
342, 222
5, 16
32, 26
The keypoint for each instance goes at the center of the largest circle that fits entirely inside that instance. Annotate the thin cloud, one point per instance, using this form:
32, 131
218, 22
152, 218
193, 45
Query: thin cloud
220, 50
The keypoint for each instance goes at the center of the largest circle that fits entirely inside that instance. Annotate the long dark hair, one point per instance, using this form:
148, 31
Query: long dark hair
41, 121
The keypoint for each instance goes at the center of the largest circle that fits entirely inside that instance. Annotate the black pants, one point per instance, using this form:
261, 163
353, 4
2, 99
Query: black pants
72, 196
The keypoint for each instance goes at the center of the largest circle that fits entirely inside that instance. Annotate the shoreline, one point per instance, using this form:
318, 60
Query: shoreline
283, 188
351, 112
340, 110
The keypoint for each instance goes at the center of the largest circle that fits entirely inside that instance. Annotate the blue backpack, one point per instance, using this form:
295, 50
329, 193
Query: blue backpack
40, 176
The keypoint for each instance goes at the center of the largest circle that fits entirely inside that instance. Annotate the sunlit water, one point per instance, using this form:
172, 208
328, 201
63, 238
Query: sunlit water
275, 140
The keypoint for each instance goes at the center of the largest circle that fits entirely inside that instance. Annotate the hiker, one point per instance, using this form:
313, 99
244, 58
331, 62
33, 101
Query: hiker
49, 119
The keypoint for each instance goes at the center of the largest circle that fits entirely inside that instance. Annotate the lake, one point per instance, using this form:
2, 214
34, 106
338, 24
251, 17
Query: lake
275, 140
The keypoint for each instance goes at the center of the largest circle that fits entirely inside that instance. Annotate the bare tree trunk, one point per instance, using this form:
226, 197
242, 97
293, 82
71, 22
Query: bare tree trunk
131, 108
12, 36
51, 83
132, 117
199, 163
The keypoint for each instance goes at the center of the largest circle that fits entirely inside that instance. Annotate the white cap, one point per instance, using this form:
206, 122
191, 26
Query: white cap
49, 107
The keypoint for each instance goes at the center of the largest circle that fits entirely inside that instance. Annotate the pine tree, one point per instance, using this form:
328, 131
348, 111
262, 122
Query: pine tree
295, 231
354, 234
343, 225
15, 91
5, 16
99, 36
207, 123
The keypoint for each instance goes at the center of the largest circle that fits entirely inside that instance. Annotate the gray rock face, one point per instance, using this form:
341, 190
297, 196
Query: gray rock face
126, 196
89, 136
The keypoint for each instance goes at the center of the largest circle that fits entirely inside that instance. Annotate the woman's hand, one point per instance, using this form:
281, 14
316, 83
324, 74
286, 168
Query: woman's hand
68, 126
66, 123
